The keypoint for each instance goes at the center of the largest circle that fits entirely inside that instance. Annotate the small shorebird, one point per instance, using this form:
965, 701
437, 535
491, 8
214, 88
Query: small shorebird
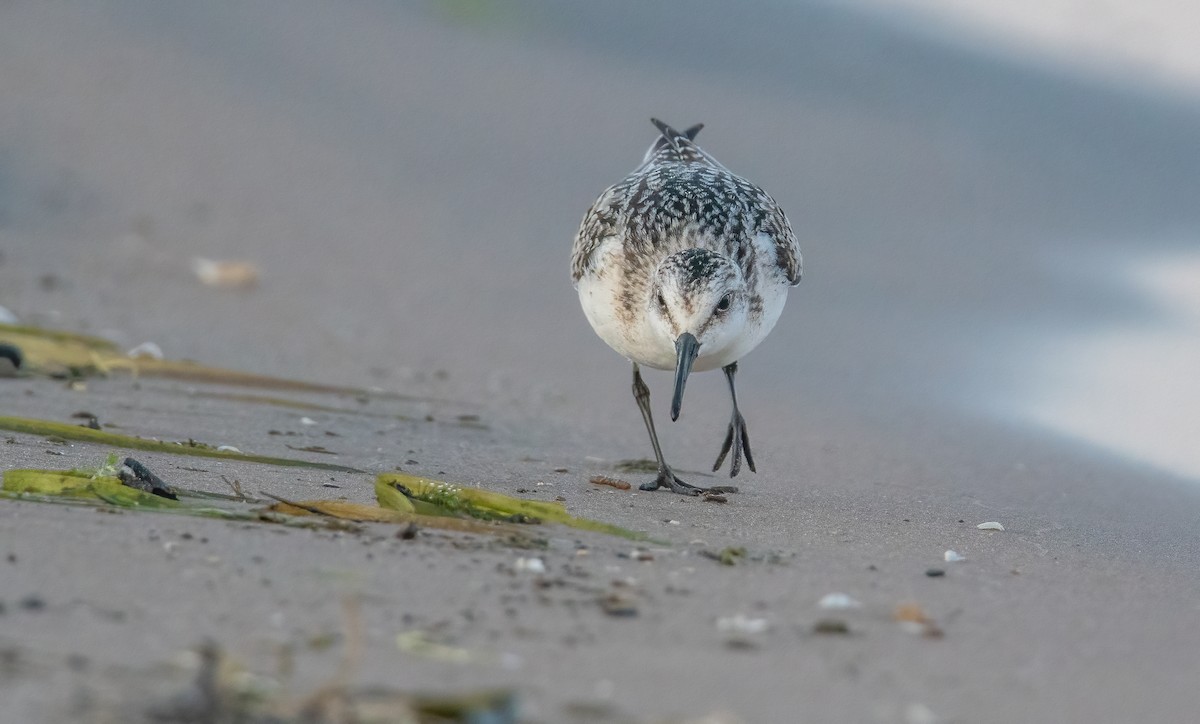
685, 266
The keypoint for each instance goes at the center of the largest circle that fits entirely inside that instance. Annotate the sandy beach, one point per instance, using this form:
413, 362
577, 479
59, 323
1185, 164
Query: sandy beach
408, 181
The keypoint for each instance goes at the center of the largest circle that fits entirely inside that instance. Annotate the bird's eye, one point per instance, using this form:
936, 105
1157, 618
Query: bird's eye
662, 302
724, 303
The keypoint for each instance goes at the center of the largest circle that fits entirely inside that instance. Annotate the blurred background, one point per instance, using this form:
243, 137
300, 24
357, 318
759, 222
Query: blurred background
998, 203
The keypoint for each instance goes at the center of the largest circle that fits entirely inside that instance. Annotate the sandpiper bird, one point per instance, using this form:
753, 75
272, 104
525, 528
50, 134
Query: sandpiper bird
684, 265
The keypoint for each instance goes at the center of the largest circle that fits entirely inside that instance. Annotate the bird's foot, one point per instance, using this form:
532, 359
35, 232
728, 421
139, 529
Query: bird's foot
738, 440
667, 479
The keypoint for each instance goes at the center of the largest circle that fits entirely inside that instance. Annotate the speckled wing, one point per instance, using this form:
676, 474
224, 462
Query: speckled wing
679, 186
774, 223
604, 220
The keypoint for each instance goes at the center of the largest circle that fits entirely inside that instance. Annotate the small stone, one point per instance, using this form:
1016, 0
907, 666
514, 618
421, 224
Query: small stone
32, 602
935, 572
834, 626
618, 605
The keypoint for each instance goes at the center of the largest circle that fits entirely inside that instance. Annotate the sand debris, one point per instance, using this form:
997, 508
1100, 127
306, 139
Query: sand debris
912, 618
610, 482
838, 601
990, 525
225, 274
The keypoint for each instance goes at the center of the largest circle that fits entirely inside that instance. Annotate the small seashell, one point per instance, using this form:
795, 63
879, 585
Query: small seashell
228, 448
145, 350
838, 601
307, 421
530, 565
991, 525
953, 557
741, 624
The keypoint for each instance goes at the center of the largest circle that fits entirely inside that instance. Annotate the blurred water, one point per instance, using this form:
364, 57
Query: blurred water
1132, 387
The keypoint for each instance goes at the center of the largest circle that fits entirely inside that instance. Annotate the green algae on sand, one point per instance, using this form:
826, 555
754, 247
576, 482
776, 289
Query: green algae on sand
483, 504
66, 431
402, 500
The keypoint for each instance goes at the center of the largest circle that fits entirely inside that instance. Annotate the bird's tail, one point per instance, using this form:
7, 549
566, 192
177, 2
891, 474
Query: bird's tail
676, 146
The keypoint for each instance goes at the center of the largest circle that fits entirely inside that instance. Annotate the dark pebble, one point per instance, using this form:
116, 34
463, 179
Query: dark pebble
12, 353
834, 626
935, 573
32, 602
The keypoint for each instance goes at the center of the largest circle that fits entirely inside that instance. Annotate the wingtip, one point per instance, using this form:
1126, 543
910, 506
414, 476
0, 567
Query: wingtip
670, 133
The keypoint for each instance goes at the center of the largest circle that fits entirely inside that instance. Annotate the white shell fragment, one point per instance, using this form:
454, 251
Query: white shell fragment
228, 448
991, 525
953, 556
225, 274
7, 317
530, 565
741, 624
307, 421
145, 350
838, 601
919, 714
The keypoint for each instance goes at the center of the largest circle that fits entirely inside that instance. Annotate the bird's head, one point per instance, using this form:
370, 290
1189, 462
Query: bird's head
698, 301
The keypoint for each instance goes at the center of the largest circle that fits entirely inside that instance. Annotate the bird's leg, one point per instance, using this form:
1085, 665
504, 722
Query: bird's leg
737, 438
666, 478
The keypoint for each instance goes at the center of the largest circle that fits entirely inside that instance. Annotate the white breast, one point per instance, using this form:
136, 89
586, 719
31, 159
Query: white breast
600, 295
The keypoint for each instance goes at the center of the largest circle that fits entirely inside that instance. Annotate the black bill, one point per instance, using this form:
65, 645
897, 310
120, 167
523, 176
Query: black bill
686, 348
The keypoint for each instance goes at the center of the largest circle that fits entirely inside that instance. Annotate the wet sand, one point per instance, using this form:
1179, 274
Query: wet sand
409, 181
